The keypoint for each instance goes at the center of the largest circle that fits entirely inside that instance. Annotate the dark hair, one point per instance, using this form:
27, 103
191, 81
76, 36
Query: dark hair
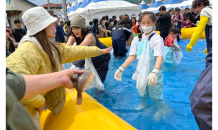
84, 33
177, 9
171, 10
157, 14
134, 18
103, 17
101, 21
55, 16
186, 9
90, 23
162, 8
106, 17
120, 16
126, 15
152, 16
95, 21
17, 21
61, 21
110, 20
196, 3
7, 31
174, 30
187, 18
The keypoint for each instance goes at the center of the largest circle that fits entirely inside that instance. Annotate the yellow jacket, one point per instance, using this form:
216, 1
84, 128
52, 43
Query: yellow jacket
29, 59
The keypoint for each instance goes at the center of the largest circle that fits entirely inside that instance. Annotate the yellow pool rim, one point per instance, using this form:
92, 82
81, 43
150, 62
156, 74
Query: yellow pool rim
186, 34
91, 115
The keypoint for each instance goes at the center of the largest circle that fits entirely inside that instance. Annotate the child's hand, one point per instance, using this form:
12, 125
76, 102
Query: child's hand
119, 73
105, 51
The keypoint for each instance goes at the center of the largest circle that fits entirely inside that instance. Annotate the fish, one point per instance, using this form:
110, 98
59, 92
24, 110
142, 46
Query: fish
81, 83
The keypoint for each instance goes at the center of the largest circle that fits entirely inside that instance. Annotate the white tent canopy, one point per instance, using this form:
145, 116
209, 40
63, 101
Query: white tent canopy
102, 8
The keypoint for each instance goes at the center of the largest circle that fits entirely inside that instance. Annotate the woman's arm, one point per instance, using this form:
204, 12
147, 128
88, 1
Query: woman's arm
158, 62
128, 61
104, 30
89, 38
70, 41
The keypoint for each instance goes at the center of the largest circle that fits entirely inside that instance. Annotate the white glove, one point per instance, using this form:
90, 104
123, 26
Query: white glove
119, 73
152, 77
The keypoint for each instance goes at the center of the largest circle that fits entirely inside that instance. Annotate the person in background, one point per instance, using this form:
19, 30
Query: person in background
106, 24
126, 16
90, 24
18, 32
111, 25
187, 14
187, 23
114, 19
68, 30
120, 17
192, 12
139, 30
59, 32
165, 22
169, 41
177, 20
171, 11
157, 25
20, 87
62, 23
102, 29
120, 34
11, 37
9, 43
95, 28
196, 19
134, 25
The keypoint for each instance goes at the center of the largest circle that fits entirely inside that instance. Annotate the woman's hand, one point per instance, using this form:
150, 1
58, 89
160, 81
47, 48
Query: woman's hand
105, 51
40, 108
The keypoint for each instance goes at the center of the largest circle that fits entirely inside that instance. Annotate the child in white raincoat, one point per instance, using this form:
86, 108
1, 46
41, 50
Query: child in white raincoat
148, 48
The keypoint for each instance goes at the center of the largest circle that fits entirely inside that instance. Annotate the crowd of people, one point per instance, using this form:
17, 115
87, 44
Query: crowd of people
35, 54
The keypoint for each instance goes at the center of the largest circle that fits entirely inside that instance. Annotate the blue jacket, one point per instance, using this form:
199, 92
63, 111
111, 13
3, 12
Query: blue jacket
59, 34
95, 29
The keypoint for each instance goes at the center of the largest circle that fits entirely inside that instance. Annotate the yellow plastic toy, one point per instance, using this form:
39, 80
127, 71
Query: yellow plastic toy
91, 115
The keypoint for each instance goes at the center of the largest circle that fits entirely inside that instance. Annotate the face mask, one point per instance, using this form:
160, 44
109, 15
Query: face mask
103, 23
112, 23
147, 29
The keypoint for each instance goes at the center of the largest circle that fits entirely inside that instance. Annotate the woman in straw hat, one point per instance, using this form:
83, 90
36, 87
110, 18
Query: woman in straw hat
38, 55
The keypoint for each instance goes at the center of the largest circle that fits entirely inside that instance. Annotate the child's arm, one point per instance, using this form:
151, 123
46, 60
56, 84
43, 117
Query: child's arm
119, 71
128, 61
174, 46
158, 62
